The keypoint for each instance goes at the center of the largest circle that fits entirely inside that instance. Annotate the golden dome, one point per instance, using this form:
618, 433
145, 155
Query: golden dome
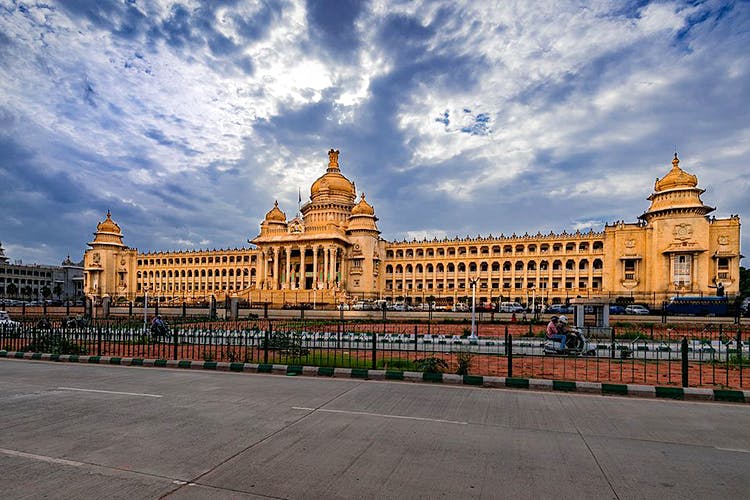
332, 181
108, 225
676, 178
275, 214
363, 208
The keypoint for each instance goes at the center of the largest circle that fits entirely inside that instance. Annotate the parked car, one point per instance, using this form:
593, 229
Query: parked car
615, 309
461, 307
559, 309
511, 307
484, 307
637, 309
6, 321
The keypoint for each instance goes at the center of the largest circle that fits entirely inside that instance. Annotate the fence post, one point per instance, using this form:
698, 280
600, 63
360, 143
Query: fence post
612, 340
374, 349
684, 352
267, 340
174, 342
99, 341
509, 349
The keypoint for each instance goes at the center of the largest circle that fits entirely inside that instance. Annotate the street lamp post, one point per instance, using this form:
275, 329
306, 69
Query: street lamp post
473, 282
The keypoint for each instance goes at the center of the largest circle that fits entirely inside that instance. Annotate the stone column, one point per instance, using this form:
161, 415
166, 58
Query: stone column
302, 249
326, 268
288, 277
315, 267
276, 282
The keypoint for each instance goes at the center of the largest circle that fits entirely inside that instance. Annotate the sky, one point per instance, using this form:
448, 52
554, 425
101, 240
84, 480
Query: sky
457, 118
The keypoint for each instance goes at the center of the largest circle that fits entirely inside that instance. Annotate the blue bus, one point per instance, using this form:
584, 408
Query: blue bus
697, 306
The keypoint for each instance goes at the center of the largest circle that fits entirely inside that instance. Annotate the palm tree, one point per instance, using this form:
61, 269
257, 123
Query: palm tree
12, 290
57, 290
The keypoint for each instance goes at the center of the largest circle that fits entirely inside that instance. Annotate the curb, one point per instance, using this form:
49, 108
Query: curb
601, 388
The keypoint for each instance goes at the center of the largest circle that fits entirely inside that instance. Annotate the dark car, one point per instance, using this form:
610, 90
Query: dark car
615, 309
559, 309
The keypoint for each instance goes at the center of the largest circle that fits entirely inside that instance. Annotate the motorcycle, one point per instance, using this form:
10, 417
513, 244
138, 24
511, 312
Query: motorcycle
576, 344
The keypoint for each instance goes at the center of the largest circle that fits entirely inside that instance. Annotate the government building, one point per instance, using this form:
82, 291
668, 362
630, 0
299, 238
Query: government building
331, 252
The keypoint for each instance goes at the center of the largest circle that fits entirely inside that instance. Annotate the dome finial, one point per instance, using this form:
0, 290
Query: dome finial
333, 158
676, 161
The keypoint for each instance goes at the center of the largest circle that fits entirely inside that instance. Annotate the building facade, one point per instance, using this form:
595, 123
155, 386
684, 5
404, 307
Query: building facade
30, 282
332, 252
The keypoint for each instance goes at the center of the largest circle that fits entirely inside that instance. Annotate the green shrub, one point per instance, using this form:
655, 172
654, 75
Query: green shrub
431, 364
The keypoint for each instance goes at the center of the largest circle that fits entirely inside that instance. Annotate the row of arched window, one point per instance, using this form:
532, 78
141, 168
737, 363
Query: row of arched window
210, 259
518, 249
195, 273
557, 265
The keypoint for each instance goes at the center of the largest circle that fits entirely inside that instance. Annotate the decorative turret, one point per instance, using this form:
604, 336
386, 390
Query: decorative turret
108, 233
275, 215
3, 258
676, 193
362, 217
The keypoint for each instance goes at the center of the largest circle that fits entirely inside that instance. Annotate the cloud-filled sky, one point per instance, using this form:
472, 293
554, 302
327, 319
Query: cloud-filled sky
188, 119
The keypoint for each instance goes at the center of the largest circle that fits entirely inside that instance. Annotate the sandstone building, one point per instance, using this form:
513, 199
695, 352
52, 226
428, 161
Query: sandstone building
332, 252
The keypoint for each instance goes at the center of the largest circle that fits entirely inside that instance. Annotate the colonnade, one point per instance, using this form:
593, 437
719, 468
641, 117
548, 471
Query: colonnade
279, 269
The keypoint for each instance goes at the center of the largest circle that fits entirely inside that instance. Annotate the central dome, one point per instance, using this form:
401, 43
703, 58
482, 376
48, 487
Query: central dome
333, 183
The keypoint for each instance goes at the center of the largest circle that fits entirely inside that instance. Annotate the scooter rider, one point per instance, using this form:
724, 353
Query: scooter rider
554, 332
562, 328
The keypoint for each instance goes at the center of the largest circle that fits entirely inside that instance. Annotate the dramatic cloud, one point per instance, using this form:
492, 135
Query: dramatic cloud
188, 119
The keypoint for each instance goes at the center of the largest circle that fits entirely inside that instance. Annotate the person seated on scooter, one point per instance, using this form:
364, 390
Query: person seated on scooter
554, 333
569, 333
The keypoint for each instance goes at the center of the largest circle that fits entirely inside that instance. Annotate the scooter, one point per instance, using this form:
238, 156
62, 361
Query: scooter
576, 345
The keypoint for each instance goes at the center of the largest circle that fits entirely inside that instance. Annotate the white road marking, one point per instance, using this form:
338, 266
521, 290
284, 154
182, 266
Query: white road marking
112, 392
41, 458
732, 449
403, 417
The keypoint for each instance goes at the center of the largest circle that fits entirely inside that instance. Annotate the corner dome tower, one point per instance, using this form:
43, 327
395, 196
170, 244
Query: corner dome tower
676, 193
108, 233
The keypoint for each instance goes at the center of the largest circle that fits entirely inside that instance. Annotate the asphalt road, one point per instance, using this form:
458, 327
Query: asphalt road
90, 431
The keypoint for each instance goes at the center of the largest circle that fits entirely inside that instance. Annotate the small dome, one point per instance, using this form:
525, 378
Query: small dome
275, 214
676, 178
363, 208
333, 182
108, 225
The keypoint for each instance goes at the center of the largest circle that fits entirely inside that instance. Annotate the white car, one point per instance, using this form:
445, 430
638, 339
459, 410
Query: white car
6, 321
637, 309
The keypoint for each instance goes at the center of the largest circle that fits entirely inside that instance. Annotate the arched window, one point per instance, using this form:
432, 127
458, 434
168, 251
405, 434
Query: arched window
399, 269
570, 264
472, 267
389, 269
440, 268
543, 265
598, 264
418, 268
583, 265
484, 267
451, 268
495, 266
429, 268
461, 267
531, 266
507, 265
557, 265
519, 266
409, 268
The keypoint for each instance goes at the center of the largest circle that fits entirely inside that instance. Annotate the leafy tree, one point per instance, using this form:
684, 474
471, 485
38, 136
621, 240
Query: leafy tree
744, 281
12, 290
46, 292
58, 290
27, 291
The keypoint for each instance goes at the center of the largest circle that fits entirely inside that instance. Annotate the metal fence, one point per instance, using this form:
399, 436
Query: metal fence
687, 355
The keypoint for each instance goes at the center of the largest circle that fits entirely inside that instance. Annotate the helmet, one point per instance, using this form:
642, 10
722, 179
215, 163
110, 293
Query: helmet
554, 318
563, 320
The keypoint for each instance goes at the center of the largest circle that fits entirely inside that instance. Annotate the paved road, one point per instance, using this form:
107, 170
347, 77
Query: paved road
90, 431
